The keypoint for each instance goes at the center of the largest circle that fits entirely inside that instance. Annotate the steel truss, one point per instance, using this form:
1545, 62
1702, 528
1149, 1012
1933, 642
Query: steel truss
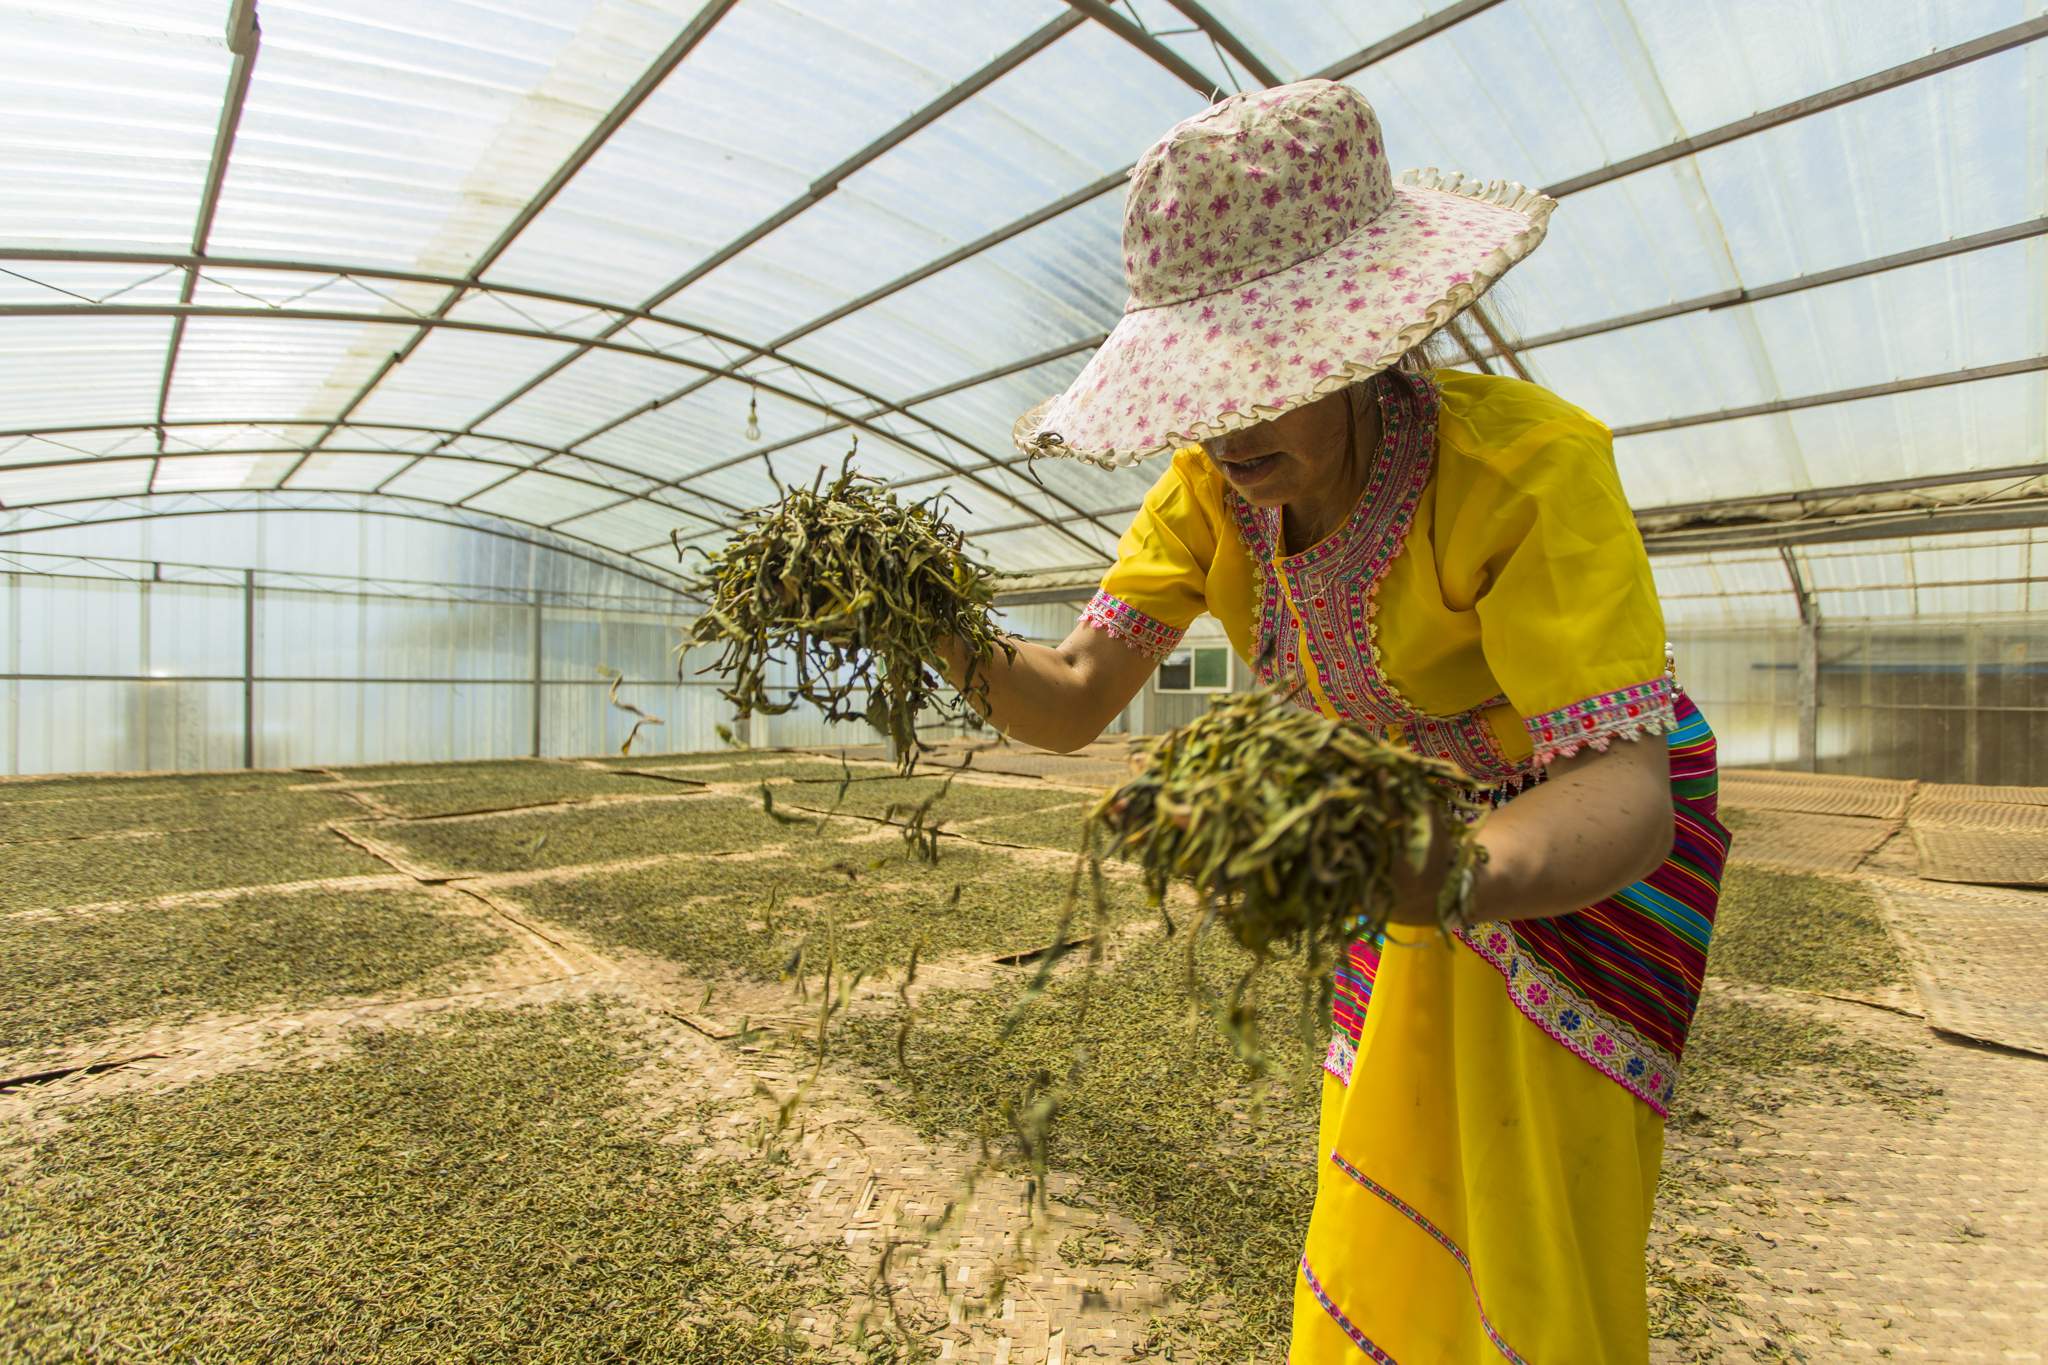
614, 322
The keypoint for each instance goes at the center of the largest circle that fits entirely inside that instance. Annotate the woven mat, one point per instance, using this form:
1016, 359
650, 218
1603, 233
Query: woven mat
1847, 1234
1817, 794
1809, 843
2017, 796
1099, 765
1990, 856
1947, 812
1792, 777
1976, 961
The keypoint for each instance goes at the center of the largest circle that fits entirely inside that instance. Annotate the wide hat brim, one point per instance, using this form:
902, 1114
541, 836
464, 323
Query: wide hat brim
1182, 372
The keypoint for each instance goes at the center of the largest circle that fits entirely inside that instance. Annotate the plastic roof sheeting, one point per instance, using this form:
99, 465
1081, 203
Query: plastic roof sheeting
536, 258
1995, 573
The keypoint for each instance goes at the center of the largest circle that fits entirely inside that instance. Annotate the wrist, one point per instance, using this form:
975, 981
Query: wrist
1502, 879
1493, 881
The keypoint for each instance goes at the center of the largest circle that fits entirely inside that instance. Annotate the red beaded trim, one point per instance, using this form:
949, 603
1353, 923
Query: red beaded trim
1121, 621
1634, 711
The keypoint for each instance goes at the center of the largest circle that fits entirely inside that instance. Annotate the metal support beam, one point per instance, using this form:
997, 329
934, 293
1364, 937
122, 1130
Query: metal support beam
506, 329
544, 454
1220, 34
1934, 63
1809, 693
1933, 521
1729, 298
512, 471
1809, 662
248, 668
1109, 183
1159, 52
14, 634
649, 81
538, 689
355, 505
904, 406
1754, 507
1420, 31
189, 573
1963, 514
1973, 693
244, 38
818, 189
2030, 365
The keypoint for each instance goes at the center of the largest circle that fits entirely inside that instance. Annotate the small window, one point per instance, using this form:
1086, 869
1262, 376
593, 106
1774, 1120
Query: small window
1198, 668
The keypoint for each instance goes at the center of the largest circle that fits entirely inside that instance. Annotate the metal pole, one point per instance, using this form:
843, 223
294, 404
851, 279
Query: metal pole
1972, 764
14, 666
537, 687
248, 668
1809, 662
1809, 689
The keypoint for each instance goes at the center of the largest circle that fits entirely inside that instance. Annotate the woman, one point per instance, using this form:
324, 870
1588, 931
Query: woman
1448, 559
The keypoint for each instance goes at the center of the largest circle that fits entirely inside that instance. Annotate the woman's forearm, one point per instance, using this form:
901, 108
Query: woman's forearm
1601, 821
1056, 697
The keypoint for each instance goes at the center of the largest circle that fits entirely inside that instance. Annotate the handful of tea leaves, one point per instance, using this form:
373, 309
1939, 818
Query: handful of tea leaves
856, 592
1291, 825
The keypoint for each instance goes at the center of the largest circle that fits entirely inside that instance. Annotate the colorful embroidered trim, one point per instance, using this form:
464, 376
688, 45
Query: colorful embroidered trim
1339, 1057
1329, 594
1570, 1016
1352, 992
1437, 1233
1643, 709
1358, 1338
1618, 982
1121, 621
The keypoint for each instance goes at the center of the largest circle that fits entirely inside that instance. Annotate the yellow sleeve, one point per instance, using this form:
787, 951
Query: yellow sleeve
1568, 612
1158, 585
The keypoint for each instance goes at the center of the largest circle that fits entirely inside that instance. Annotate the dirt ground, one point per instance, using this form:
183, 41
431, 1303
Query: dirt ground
1815, 1223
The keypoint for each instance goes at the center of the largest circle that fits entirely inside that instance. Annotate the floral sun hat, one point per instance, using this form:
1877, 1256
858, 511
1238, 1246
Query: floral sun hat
1273, 259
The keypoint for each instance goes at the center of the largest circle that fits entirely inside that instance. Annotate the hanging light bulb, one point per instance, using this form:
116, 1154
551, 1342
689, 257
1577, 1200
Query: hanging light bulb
753, 418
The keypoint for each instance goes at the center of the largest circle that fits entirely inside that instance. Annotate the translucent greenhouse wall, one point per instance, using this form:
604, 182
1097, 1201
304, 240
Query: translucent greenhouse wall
110, 675
1941, 702
128, 664
117, 665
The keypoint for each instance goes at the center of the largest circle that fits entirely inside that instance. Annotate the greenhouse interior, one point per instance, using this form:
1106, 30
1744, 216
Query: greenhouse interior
434, 925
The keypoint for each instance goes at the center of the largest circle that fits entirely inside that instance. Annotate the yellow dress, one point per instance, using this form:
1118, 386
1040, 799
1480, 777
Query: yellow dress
1492, 1116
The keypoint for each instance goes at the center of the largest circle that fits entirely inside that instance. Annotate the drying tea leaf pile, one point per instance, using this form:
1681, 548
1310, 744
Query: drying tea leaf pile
1291, 826
852, 591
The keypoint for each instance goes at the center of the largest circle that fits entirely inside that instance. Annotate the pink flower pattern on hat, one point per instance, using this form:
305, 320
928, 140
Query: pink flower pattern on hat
1272, 258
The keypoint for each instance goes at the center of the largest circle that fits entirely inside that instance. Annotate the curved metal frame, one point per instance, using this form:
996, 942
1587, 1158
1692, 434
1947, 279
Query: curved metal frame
546, 453
244, 42
281, 500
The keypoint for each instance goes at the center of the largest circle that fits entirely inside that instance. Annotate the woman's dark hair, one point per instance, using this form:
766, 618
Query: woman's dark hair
1433, 352
1440, 348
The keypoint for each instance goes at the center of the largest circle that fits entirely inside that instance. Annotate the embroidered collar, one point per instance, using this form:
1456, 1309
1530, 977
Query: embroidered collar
1333, 589
1393, 486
